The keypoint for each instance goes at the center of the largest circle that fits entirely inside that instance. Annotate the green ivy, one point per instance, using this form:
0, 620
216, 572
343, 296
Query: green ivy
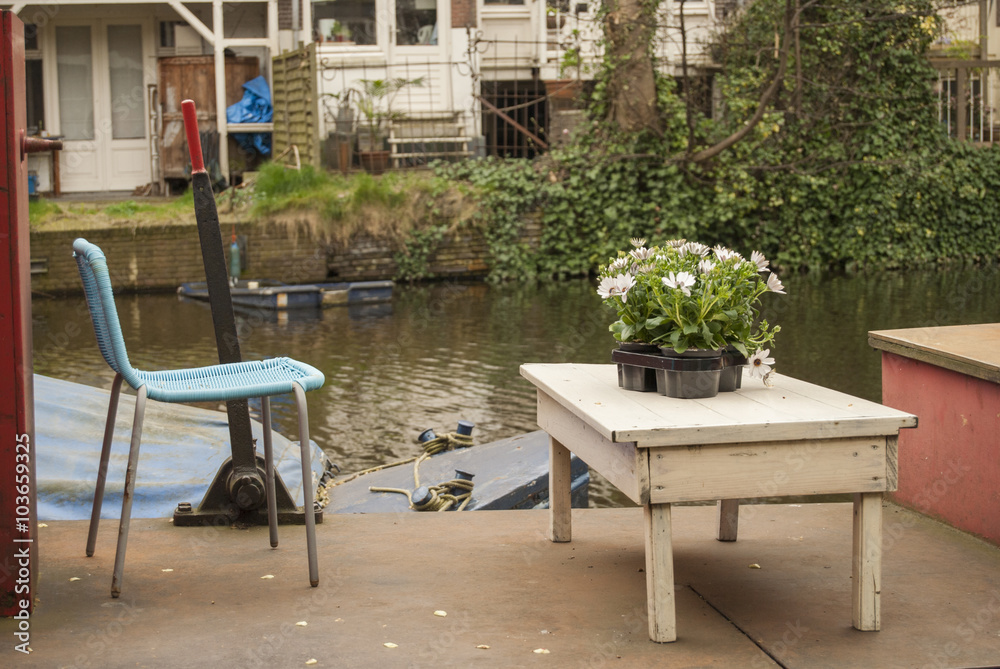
853, 171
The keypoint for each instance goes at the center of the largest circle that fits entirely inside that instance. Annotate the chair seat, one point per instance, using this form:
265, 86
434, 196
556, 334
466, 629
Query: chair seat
233, 381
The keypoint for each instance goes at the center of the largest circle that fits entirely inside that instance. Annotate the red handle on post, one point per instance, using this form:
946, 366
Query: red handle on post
193, 138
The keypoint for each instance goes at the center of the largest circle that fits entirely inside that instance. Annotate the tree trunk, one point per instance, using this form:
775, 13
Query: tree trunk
631, 87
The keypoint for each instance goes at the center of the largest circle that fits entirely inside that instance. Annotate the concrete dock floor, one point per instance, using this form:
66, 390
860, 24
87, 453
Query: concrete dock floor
195, 597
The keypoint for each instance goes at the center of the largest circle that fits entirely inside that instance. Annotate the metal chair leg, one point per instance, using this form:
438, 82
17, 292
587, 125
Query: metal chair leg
272, 504
102, 468
133, 461
308, 504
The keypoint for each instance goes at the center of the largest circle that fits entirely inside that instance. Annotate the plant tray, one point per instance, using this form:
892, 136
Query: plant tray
675, 376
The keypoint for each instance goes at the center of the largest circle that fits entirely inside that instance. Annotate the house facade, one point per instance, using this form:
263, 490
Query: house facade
967, 58
94, 79
107, 77
494, 72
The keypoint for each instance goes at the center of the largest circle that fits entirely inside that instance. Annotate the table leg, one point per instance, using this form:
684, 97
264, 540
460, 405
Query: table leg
727, 519
560, 521
660, 574
866, 572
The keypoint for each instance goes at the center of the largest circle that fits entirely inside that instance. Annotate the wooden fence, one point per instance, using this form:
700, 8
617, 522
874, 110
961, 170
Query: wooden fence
296, 108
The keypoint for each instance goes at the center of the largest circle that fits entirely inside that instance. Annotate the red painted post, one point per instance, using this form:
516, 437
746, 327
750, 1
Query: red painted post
18, 530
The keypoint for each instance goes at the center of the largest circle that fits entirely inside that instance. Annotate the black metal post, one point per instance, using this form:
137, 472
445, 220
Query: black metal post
246, 488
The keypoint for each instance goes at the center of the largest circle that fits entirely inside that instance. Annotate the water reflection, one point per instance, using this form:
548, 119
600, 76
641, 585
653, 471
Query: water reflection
451, 350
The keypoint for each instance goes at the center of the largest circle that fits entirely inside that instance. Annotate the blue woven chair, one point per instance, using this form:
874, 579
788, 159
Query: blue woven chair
216, 383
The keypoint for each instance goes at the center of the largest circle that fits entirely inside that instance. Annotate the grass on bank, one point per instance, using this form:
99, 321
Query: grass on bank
332, 206
336, 207
46, 214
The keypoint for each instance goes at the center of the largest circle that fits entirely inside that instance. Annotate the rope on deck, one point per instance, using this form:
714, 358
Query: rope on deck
443, 496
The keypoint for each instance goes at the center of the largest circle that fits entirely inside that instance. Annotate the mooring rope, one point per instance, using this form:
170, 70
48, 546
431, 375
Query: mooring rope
444, 495
448, 442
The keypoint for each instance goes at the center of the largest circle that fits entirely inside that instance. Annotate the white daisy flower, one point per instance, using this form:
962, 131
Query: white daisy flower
694, 248
774, 284
676, 243
619, 264
758, 259
705, 266
616, 285
637, 242
641, 253
724, 254
760, 364
682, 281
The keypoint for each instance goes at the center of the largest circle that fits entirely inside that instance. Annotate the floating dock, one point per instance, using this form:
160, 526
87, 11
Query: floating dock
268, 294
195, 597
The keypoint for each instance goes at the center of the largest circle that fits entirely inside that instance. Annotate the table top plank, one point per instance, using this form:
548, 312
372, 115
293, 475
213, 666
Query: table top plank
791, 410
606, 407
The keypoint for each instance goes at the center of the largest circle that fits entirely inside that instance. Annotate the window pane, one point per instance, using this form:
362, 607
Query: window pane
344, 21
76, 88
416, 22
34, 98
30, 37
128, 114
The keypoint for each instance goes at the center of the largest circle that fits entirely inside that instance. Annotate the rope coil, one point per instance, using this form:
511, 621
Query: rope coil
456, 492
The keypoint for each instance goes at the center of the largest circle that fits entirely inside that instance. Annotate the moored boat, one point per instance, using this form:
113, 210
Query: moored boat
271, 294
183, 448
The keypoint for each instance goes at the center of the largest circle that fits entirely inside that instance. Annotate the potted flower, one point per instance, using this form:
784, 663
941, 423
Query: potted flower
373, 98
695, 302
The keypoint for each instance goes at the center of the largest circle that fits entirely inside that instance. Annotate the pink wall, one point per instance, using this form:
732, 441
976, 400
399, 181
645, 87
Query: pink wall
949, 466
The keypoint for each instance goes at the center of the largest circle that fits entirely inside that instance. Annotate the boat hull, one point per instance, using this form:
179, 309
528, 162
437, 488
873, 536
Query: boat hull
280, 296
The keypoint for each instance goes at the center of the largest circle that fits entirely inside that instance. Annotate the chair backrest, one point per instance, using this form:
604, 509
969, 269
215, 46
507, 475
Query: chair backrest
101, 301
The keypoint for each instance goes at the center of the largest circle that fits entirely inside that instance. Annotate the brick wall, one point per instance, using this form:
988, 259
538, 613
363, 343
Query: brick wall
463, 13
162, 258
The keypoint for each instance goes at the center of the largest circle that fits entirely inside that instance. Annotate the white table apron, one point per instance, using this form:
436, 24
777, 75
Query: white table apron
794, 439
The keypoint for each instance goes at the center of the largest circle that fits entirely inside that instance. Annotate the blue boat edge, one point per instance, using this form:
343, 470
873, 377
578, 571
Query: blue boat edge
272, 294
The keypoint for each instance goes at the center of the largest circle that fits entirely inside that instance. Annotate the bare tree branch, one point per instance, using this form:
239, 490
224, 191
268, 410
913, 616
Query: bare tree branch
791, 17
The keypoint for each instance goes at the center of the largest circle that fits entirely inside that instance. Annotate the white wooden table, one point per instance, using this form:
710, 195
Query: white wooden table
793, 439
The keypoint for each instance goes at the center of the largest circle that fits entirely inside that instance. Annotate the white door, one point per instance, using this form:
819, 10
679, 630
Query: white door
102, 106
418, 48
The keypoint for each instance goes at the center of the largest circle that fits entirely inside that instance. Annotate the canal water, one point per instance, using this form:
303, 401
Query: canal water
446, 351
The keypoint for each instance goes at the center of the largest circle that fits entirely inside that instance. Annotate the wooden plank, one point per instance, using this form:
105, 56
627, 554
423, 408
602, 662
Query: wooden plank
623, 465
560, 484
605, 406
973, 350
772, 469
866, 567
792, 410
727, 519
891, 463
660, 574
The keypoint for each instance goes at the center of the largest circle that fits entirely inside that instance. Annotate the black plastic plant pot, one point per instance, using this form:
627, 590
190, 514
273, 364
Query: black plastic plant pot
635, 377
731, 379
696, 374
732, 372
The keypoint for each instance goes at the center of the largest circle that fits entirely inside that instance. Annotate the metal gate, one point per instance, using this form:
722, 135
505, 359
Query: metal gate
515, 118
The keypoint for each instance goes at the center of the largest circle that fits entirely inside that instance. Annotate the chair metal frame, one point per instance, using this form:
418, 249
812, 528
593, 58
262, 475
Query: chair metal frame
233, 381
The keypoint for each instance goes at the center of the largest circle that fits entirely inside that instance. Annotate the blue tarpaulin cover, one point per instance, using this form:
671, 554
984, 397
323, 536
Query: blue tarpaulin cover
182, 449
255, 107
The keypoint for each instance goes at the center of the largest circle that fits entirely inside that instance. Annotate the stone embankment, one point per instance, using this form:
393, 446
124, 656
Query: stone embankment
155, 258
